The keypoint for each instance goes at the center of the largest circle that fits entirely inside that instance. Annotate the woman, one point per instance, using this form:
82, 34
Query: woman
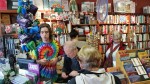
74, 35
47, 52
74, 38
113, 47
90, 61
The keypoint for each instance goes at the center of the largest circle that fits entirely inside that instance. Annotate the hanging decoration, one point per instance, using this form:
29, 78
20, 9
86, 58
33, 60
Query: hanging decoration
102, 9
28, 32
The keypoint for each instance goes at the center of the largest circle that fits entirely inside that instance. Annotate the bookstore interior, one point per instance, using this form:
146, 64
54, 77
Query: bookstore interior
118, 29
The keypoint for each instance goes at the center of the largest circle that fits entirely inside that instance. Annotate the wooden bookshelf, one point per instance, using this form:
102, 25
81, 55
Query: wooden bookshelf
84, 24
11, 14
8, 11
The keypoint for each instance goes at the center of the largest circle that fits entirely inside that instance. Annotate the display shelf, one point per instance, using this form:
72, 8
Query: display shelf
8, 11
119, 13
14, 35
120, 64
84, 24
9, 18
114, 24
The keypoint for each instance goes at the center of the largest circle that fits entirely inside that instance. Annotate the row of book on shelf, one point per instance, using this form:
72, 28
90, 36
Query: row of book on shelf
107, 29
124, 19
125, 38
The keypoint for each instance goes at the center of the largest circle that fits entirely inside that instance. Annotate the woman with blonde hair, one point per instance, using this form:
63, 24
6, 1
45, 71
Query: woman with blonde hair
90, 60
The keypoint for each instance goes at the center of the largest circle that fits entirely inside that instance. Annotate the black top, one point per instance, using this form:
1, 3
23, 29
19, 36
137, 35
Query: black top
72, 81
70, 65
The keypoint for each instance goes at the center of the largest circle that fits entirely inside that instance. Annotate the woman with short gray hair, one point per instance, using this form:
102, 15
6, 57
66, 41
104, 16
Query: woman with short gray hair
113, 47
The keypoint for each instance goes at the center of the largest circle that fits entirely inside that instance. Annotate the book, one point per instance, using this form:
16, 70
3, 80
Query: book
109, 7
3, 4
87, 7
6, 19
119, 6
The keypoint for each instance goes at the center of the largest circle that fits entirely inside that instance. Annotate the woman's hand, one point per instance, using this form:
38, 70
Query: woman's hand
73, 73
64, 75
53, 61
42, 61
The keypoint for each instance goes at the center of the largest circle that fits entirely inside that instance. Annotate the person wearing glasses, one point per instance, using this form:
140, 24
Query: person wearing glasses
113, 47
90, 60
71, 65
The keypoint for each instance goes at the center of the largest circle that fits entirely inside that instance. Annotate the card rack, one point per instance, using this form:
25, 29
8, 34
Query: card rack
131, 64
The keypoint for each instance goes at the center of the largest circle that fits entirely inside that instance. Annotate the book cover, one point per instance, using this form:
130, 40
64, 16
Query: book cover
119, 6
3, 4
9, 4
6, 19
85, 7
132, 19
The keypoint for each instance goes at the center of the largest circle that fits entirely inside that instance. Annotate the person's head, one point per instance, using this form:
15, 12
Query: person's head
70, 49
45, 32
74, 34
117, 36
89, 58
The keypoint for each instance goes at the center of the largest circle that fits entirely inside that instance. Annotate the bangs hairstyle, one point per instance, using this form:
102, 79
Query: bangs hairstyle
89, 55
48, 27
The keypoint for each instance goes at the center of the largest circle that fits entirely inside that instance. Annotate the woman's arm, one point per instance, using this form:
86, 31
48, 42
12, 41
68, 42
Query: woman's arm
42, 61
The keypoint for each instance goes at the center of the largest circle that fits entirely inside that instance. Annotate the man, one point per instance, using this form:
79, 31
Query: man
71, 65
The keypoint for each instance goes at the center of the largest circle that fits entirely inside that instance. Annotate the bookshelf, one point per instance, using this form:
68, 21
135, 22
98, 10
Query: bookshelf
8, 16
8, 11
134, 27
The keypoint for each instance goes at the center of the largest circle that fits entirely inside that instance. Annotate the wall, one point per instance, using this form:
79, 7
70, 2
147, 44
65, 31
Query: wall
139, 4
